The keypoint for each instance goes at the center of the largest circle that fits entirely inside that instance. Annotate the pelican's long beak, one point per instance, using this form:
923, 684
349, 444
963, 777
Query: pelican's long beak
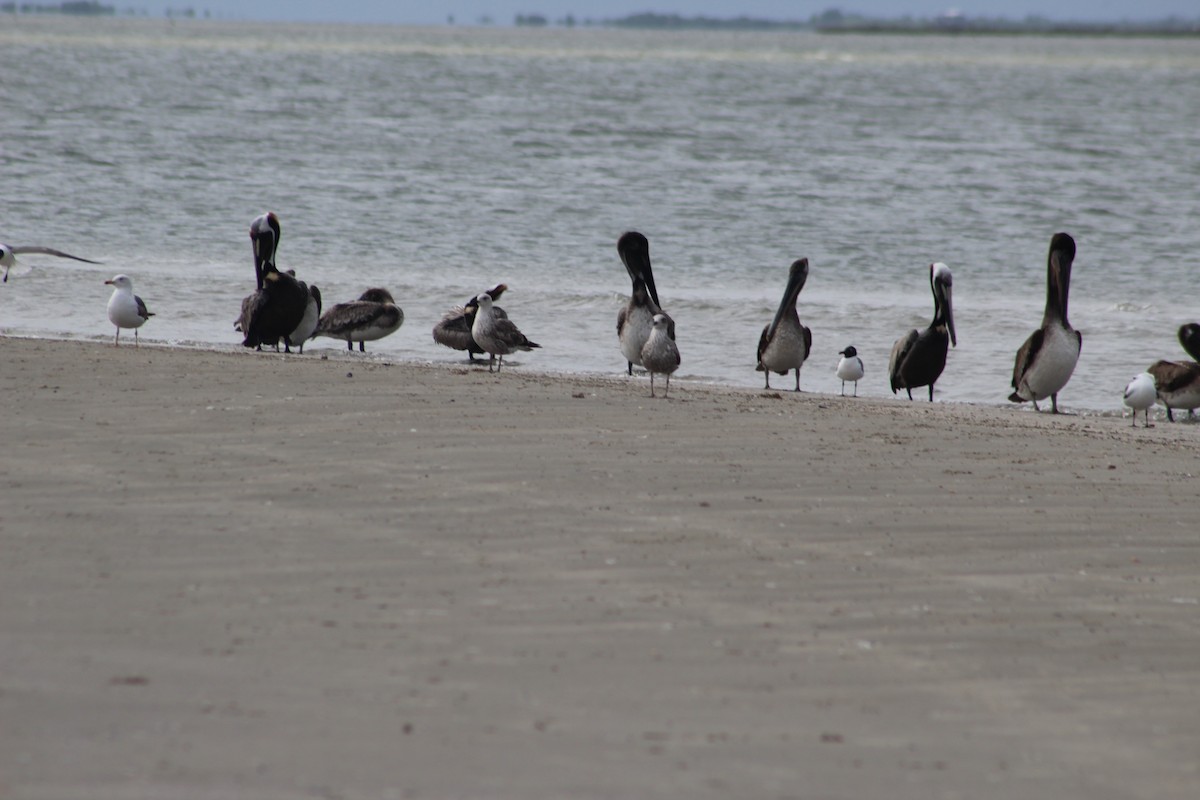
949, 315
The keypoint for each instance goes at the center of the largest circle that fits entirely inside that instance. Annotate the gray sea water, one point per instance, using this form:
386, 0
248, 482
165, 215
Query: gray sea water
440, 161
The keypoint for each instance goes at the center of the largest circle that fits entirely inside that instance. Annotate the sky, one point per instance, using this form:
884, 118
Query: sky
503, 12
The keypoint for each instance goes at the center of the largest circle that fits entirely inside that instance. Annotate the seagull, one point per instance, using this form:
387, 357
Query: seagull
372, 316
495, 334
659, 353
1140, 395
785, 343
919, 357
1177, 384
126, 309
454, 329
635, 319
8, 254
1047, 358
850, 368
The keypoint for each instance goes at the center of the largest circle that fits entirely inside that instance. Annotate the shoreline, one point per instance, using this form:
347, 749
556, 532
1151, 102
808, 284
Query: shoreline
616, 377
272, 578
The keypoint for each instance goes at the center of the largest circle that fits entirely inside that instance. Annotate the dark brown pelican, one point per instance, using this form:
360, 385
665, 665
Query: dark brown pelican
919, 357
8, 254
1177, 384
275, 310
785, 343
1047, 358
1189, 337
636, 319
277, 307
496, 335
372, 316
454, 329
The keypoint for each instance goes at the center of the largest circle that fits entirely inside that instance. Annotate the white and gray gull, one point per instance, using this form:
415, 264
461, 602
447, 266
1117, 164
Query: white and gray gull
1047, 358
1140, 396
126, 309
9, 253
785, 343
660, 353
497, 335
372, 316
919, 357
636, 318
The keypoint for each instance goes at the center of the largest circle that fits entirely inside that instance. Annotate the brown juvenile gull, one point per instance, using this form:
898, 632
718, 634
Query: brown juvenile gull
454, 329
659, 353
495, 334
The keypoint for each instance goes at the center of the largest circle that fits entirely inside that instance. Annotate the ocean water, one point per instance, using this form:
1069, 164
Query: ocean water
439, 161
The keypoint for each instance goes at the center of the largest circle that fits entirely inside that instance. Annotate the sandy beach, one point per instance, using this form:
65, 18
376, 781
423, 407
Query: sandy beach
231, 574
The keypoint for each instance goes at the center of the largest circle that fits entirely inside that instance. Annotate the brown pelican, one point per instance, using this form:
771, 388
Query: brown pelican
635, 320
850, 368
1045, 362
1177, 384
1139, 396
659, 353
275, 310
264, 239
8, 254
278, 305
919, 357
495, 334
454, 329
1189, 337
785, 343
372, 316
126, 309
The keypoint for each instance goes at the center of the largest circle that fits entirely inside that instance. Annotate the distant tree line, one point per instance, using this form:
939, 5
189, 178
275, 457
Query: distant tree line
837, 21
80, 8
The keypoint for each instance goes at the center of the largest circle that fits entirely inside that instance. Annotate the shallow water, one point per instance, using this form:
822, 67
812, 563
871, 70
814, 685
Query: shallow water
440, 161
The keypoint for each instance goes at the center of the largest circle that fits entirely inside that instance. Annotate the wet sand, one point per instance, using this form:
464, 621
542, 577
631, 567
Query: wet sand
229, 574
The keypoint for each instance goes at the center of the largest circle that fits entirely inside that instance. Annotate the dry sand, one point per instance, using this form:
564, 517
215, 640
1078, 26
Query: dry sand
237, 575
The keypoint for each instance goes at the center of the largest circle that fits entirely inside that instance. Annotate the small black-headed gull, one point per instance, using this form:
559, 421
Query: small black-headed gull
850, 368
